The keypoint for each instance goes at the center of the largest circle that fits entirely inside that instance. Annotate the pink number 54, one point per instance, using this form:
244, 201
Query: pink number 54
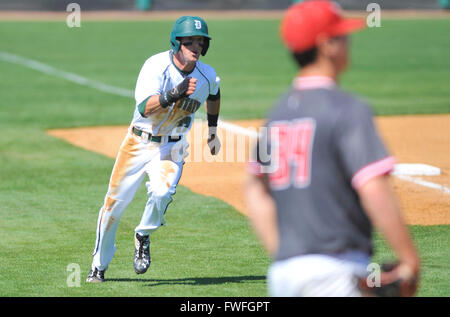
292, 153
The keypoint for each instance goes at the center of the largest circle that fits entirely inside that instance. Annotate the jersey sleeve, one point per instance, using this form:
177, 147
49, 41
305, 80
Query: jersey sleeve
149, 82
361, 151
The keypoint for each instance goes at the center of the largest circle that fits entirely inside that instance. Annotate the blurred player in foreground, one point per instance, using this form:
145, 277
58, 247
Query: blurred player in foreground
314, 199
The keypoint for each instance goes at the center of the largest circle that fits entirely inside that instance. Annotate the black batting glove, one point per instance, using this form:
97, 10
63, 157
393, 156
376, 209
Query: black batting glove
174, 94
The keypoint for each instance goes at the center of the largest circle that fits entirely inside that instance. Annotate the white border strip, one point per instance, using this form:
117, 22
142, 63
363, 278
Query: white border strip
47, 69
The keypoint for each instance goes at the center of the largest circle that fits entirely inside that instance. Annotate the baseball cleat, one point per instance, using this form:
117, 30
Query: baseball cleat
96, 276
142, 257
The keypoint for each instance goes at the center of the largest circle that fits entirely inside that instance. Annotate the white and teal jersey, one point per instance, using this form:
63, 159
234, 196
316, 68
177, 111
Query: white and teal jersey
159, 74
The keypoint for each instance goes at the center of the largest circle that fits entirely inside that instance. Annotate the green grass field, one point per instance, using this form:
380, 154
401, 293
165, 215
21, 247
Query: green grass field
50, 191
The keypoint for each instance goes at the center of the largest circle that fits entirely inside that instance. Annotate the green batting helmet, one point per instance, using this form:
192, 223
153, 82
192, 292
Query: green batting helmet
189, 26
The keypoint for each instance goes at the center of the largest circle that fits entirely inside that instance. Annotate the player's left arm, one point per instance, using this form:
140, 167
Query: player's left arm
212, 110
383, 209
367, 164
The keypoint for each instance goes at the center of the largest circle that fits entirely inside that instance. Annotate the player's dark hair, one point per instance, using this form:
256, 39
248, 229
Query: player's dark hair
306, 57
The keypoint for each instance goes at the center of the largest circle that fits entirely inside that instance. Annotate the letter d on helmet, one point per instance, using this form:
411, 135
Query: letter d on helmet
189, 26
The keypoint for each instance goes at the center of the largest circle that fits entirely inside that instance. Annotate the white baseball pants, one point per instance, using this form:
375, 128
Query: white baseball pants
136, 159
315, 276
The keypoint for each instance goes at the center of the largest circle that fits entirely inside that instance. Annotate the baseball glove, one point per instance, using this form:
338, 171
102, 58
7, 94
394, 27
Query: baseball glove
393, 283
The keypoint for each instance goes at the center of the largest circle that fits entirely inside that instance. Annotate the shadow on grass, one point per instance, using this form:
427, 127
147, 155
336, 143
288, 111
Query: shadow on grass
191, 280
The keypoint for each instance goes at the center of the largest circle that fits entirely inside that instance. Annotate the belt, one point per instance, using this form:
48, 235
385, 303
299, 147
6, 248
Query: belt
154, 138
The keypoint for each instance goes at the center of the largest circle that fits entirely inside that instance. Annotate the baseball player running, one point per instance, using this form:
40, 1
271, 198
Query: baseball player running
313, 200
171, 87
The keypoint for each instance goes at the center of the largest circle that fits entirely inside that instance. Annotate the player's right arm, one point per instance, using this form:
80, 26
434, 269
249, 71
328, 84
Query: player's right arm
158, 102
150, 83
261, 207
261, 212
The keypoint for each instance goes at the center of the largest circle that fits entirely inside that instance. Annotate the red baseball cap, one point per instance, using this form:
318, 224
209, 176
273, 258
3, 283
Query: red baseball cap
304, 22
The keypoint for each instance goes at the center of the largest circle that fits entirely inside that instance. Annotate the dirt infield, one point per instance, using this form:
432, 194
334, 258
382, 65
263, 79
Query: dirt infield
223, 14
411, 139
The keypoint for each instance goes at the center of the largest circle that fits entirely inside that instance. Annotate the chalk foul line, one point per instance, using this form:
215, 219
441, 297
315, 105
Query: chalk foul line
421, 182
123, 92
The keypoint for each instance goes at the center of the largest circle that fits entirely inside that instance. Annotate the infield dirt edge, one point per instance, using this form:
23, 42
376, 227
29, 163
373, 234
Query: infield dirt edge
402, 134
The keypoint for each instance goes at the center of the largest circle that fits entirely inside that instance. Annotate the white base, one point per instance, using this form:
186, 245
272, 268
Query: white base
415, 170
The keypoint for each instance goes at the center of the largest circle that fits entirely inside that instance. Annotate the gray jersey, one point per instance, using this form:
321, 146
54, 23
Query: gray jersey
325, 147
